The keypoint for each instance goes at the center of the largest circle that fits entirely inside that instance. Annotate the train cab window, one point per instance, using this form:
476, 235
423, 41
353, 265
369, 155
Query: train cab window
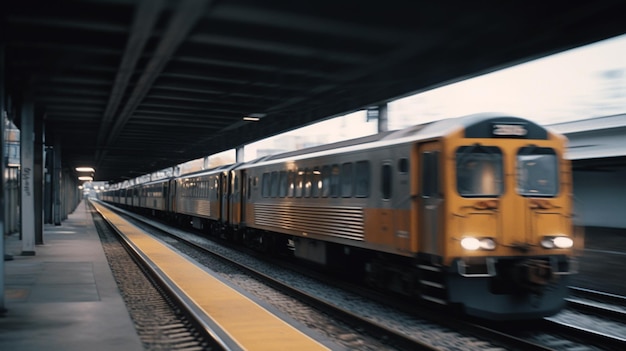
334, 181
347, 178
290, 183
479, 171
537, 172
282, 184
299, 183
362, 179
326, 175
386, 181
274, 184
316, 182
265, 186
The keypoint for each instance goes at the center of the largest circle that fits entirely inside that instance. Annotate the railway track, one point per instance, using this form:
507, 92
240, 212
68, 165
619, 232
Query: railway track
160, 323
395, 327
596, 316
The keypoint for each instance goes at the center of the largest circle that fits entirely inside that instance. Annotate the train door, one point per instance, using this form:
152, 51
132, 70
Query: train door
386, 228
430, 197
235, 198
171, 196
225, 194
244, 196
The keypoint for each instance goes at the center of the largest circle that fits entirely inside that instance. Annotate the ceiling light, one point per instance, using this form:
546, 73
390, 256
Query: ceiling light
85, 178
255, 117
85, 169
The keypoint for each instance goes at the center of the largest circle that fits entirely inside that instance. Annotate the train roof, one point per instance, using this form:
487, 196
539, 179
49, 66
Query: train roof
475, 123
218, 169
425, 131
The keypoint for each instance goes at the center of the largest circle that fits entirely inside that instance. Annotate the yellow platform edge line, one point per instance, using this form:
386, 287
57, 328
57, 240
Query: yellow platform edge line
251, 325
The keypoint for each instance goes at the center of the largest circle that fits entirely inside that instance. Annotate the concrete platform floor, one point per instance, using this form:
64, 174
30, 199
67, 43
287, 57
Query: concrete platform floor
64, 297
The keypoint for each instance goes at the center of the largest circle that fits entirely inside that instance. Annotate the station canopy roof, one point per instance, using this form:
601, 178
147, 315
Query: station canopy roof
130, 86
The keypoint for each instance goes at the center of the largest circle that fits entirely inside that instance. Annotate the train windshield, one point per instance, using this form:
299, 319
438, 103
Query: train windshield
537, 172
479, 171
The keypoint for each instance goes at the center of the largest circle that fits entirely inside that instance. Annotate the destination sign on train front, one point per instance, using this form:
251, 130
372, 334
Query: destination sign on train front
510, 130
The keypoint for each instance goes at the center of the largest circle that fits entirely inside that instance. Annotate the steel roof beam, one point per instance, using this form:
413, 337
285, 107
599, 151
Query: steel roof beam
186, 16
146, 15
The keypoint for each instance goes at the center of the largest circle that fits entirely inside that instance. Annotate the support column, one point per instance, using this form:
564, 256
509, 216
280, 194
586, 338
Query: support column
47, 196
3, 113
27, 140
56, 183
38, 159
66, 194
239, 155
383, 124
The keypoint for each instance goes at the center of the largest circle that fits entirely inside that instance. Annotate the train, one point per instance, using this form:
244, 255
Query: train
474, 212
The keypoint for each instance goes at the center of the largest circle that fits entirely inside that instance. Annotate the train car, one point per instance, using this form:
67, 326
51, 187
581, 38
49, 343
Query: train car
154, 196
201, 198
474, 212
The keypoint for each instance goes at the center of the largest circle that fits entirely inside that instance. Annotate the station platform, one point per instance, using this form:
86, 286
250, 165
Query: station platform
64, 297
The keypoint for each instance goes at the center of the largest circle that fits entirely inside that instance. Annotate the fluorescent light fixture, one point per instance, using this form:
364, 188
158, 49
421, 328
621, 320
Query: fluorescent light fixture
255, 117
85, 178
85, 169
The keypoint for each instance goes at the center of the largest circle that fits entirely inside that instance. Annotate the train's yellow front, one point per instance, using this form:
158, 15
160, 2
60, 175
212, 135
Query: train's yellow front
492, 214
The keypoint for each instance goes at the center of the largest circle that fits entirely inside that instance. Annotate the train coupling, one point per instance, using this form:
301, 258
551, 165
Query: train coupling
533, 274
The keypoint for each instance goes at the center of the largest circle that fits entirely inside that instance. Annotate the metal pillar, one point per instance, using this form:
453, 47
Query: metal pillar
56, 183
66, 194
27, 140
38, 151
239, 154
2, 146
47, 197
383, 113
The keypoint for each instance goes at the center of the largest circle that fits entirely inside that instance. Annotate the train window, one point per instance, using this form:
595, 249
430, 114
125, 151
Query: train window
362, 179
326, 175
274, 184
265, 190
479, 171
299, 183
537, 172
430, 174
346, 179
291, 183
307, 183
235, 182
316, 183
282, 184
386, 181
334, 181
225, 184
403, 165
249, 187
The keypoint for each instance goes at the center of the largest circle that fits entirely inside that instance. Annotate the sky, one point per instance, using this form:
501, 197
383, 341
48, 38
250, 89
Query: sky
577, 84
581, 83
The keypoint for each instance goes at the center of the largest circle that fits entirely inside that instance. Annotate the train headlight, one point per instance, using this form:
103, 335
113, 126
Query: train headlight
470, 244
558, 242
473, 244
